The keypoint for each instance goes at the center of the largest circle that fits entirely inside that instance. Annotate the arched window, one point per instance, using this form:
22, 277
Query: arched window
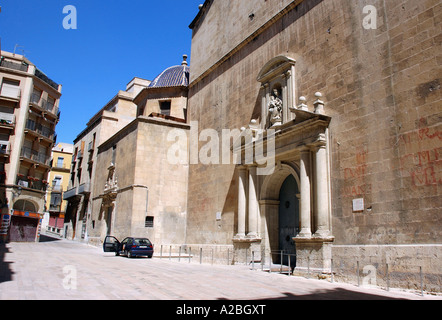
24, 205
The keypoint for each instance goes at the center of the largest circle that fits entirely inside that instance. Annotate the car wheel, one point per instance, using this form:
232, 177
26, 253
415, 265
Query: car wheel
129, 254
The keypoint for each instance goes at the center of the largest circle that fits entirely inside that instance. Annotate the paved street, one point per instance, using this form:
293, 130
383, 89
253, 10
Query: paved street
66, 270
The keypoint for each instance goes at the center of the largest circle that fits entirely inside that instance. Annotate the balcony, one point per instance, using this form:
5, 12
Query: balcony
13, 65
41, 130
46, 79
56, 202
35, 156
71, 193
44, 105
31, 183
85, 188
7, 120
5, 149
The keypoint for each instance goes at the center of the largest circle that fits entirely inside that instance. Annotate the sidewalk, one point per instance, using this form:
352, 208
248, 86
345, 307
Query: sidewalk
66, 270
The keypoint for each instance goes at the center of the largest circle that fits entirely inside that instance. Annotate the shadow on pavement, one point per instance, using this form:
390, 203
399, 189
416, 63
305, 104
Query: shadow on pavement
334, 294
44, 238
5, 270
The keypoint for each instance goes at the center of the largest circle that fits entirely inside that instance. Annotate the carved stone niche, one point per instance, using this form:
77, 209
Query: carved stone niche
277, 80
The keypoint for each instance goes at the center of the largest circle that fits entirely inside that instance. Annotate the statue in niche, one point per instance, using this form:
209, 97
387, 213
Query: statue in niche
275, 108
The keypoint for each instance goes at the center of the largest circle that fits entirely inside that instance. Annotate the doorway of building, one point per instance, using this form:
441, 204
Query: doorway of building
23, 229
288, 220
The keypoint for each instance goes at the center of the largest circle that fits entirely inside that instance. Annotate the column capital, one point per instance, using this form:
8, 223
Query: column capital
320, 142
242, 167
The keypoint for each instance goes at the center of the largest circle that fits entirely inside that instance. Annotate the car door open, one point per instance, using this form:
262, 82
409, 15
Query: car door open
111, 244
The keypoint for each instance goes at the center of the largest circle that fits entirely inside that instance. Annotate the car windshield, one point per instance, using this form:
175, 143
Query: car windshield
142, 242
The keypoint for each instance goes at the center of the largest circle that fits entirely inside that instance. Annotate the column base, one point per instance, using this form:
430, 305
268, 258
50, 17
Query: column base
305, 233
322, 234
246, 249
313, 256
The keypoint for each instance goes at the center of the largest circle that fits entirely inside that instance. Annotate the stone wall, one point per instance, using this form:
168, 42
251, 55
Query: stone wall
147, 183
381, 87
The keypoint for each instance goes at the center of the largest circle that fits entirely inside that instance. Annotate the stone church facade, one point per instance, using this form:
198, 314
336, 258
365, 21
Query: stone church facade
357, 133
343, 100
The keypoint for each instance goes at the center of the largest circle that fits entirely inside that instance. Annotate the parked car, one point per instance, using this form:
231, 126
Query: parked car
129, 247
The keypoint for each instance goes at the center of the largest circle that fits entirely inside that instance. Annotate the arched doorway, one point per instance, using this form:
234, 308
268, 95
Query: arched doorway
280, 212
24, 222
288, 219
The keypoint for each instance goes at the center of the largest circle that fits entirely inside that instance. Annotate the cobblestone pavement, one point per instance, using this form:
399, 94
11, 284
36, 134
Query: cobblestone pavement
66, 270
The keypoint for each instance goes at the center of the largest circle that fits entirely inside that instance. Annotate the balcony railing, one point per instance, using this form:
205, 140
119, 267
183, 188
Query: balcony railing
56, 201
84, 188
40, 129
31, 183
5, 148
7, 119
46, 105
35, 156
70, 193
46, 79
13, 65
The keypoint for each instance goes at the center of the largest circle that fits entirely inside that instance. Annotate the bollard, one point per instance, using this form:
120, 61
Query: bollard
270, 262
190, 254
331, 270
170, 253
422, 281
161, 251
280, 261
358, 273
308, 267
388, 279
201, 255
262, 260
253, 260
179, 255
290, 266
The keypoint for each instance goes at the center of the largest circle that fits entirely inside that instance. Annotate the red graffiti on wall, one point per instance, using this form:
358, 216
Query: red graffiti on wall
354, 177
424, 167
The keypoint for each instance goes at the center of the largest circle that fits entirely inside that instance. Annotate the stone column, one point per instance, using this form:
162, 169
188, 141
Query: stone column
242, 202
323, 228
305, 195
253, 204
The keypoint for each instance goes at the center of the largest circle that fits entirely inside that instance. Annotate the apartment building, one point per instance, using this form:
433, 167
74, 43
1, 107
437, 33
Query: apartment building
59, 177
115, 115
29, 113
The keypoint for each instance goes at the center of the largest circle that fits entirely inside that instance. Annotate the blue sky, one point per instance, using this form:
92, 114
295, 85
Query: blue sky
115, 41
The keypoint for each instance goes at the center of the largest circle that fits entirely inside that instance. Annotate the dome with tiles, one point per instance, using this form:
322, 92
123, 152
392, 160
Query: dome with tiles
176, 76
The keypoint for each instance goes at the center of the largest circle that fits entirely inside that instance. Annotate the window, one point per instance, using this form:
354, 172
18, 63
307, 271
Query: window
165, 107
36, 95
60, 162
10, 89
50, 104
56, 184
114, 154
149, 222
